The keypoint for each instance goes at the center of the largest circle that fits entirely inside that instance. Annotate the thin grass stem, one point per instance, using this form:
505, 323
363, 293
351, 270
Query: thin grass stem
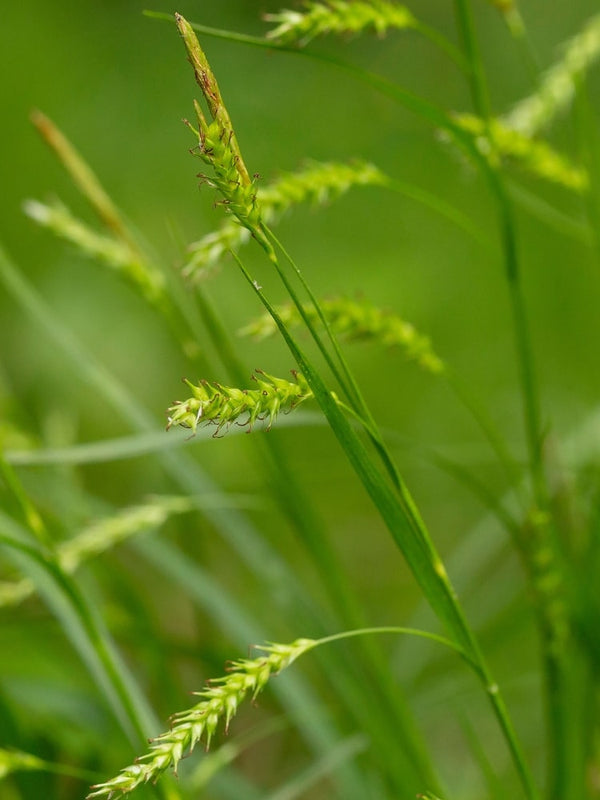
434, 36
358, 404
65, 598
410, 534
479, 92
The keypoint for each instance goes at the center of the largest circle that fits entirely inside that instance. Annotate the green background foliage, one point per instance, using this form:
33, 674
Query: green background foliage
118, 85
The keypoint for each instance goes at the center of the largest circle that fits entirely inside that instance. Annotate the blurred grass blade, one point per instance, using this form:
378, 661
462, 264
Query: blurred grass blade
101, 536
16, 761
83, 177
551, 216
139, 444
497, 141
82, 625
322, 768
214, 763
107, 250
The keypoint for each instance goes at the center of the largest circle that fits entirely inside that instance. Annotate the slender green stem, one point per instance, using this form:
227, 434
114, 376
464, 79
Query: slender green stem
477, 82
364, 417
353, 391
433, 35
296, 505
434, 637
411, 536
230, 36
443, 208
31, 516
344, 377
440, 41
346, 386
528, 382
529, 387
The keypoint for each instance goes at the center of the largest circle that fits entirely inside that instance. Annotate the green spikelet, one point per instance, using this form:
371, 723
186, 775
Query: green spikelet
338, 17
220, 701
557, 88
108, 250
100, 536
316, 183
222, 406
355, 320
496, 141
217, 143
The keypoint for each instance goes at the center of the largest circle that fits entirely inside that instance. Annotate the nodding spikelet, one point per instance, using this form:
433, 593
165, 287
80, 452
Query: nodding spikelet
340, 17
558, 85
315, 183
217, 143
220, 700
100, 536
496, 141
355, 320
222, 406
108, 250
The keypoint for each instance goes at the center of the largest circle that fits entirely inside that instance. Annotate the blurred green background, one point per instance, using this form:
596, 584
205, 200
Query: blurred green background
118, 85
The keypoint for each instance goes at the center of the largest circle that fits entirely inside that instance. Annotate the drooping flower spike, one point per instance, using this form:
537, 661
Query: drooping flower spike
220, 701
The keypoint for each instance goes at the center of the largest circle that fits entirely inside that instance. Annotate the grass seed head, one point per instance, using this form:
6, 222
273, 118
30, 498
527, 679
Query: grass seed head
217, 143
220, 699
222, 406
338, 17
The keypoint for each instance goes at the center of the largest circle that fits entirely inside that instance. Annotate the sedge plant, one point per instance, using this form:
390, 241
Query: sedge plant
368, 738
